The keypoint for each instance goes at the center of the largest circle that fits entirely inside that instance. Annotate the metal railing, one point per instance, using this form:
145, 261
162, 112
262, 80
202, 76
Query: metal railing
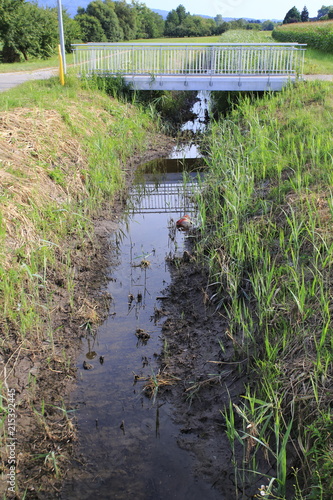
163, 197
189, 59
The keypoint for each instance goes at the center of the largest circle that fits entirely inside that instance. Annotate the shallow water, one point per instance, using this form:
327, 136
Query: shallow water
127, 442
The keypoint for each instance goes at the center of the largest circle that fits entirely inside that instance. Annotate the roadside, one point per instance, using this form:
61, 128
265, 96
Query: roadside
325, 78
10, 80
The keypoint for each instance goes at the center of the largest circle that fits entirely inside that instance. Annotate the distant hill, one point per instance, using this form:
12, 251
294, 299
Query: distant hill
162, 13
71, 6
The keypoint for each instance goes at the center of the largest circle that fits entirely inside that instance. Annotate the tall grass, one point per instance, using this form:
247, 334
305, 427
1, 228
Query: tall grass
267, 238
80, 142
246, 36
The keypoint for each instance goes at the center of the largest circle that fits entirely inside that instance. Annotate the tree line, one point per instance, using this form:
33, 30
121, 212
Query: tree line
27, 30
295, 16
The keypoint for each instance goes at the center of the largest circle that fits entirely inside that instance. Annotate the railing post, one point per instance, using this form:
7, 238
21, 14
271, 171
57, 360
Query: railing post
240, 66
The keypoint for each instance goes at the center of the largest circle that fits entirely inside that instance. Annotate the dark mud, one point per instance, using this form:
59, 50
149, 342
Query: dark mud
207, 375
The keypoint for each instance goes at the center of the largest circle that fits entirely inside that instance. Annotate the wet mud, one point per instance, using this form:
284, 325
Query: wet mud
127, 434
154, 379
143, 402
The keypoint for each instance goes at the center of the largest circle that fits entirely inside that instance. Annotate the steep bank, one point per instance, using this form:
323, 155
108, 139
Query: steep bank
67, 156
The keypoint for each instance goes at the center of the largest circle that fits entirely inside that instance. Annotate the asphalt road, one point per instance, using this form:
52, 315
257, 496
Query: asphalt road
9, 80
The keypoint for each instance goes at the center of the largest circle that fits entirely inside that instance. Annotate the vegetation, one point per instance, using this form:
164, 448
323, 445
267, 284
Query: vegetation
293, 16
64, 152
101, 21
180, 23
80, 186
266, 229
326, 12
21, 39
317, 35
115, 21
304, 15
317, 62
266, 217
246, 36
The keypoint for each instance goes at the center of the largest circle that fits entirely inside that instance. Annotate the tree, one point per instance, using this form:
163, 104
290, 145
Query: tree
91, 29
72, 31
7, 10
149, 24
293, 16
18, 31
304, 15
218, 19
105, 13
267, 25
127, 19
171, 23
182, 14
323, 11
238, 24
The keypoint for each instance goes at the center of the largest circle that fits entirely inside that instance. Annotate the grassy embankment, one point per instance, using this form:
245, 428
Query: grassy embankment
267, 217
63, 153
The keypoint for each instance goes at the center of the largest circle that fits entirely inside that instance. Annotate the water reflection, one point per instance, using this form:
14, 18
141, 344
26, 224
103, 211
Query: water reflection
201, 110
127, 445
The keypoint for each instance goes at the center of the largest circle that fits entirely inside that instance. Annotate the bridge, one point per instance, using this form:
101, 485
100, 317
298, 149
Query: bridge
195, 66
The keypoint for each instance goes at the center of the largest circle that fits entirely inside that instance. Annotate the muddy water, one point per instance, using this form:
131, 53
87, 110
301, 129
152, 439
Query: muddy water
127, 443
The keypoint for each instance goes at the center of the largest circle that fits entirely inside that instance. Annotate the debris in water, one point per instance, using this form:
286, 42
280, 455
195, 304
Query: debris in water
130, 298
184, 223
144, 263
87, 366
142, 334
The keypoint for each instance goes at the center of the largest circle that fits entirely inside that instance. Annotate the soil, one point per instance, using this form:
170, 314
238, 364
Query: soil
207, 376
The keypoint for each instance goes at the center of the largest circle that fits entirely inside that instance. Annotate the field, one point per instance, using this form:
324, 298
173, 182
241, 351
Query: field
317, 35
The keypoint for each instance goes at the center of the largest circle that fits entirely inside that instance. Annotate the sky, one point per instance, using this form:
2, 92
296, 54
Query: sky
257, 9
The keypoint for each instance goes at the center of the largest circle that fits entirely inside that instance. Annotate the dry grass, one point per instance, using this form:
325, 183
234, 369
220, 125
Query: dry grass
33, 143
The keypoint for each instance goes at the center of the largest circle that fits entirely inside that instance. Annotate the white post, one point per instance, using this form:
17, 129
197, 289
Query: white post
61, 35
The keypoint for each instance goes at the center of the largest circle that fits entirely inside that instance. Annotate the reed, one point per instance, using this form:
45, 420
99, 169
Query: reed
266, 216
